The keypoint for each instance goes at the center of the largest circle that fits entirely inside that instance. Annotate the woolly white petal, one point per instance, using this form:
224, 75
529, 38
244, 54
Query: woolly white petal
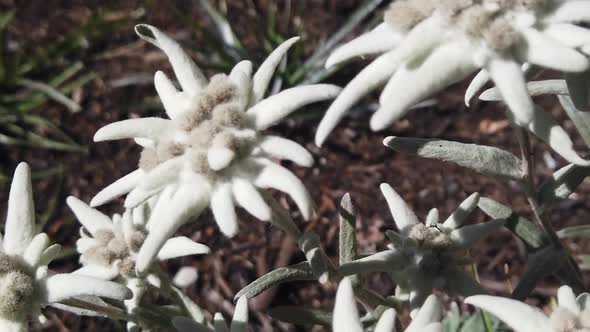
118, 188
567, 299
240, 319
434, 327
383, 261
421, 40
219, 323
545, 127
90, 218
154, 181
266, 71
387, 321
98, 271
569, 34
403, 216
13, 326
60, 287
346, 315
20, 218
281, 148
274, 108
516, 314
547, 52
219, 158
479, 81
430, 312
248, 197
151, 128
181, 246
173, 100
446, 65
223, 209
35, 249
371, 77
49, 254
279, 178
535, 88
456, 219
571, 11
85, 243
381, 39
583, 301
185, 204
188, 74
508, 77
466, 236
241, 76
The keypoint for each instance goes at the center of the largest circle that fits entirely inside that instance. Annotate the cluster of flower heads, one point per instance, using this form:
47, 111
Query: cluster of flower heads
26, 284
427, 45
571, 315
427, 256
211, 152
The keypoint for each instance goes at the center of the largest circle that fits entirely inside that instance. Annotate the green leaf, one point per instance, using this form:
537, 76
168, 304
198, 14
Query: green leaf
562, 184
575, 232
311, 246
580, 119
540, 265
528, 232
487, 160
298, 272
301, 316
6, 17
189, 305
348, 244
579, 89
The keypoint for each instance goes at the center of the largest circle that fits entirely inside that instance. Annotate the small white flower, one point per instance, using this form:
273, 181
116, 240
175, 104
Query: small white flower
109, 248
571, 315
424, 256
211, 151
427, 45
26, 285
239, 322
346, 316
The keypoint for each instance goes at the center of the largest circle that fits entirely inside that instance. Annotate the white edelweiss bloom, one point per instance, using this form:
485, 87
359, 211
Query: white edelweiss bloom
109, 248
26, 284
211, 152
427, 45
239, 322
571, 315
424, 256
346, 316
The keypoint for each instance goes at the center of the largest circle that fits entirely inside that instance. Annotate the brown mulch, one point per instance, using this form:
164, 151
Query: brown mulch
353, 160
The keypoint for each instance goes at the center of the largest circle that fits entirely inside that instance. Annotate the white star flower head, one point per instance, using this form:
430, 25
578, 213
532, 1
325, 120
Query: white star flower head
211, 151
571, 315
26, 284
427, 45
239, 322
429, 255
109, 248
346, 316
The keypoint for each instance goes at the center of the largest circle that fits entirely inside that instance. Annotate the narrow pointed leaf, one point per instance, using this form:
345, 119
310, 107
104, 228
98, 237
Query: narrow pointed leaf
580, 119
562, 184
539, 266
301, 316
298, 272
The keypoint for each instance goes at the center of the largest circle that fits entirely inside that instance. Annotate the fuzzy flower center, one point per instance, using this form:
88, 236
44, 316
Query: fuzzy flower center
563, 320
429, 237
215, 121
484, 20
17, 288
112, 249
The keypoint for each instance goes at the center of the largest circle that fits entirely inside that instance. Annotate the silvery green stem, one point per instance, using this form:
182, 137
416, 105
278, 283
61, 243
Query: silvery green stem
112, 312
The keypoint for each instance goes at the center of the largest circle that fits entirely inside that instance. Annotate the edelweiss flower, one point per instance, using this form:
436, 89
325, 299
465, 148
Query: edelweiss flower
571, 315
346, 316
109, 248
427, 255
427, 45
211, 150
239, 322
25, 283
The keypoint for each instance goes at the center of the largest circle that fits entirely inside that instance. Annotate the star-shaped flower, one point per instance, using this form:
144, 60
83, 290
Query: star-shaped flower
109, 248
427, 45
26, 284
211, 152
346, 316
571, 315
429, 255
